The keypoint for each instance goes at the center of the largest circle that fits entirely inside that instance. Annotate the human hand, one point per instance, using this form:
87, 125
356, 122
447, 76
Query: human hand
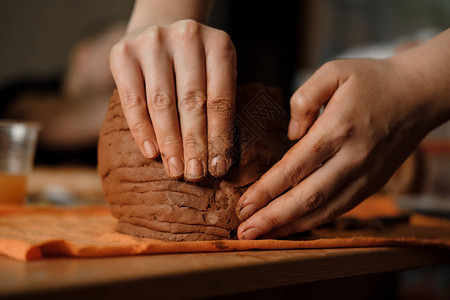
177, 88
375, 116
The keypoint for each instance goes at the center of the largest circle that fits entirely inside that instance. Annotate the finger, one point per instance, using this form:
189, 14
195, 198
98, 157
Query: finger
309, 194
159, 81
221, 93
309, 98
189, 63
297, 163
129, 80
346, 199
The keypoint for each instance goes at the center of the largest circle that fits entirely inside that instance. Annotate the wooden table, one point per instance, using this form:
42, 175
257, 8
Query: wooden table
183, 276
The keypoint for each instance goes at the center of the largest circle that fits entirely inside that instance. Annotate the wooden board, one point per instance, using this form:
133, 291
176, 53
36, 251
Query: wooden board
184, 276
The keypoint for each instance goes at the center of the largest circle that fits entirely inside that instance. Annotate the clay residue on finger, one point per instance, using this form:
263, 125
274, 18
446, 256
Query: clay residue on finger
318, 146
220, 162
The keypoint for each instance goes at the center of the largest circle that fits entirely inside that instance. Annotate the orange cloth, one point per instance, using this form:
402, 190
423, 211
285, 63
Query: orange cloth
31, 233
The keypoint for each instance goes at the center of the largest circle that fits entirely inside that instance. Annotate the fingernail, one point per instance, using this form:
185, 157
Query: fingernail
293, 130
249, 234
246, 211
176, 167
194, 169
150, 149
240, 206
219, 165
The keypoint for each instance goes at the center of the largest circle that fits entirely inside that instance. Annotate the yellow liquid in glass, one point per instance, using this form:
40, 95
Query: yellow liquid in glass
13, 189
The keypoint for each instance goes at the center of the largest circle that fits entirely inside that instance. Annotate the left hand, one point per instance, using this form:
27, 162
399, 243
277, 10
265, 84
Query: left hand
177, 87
376, 115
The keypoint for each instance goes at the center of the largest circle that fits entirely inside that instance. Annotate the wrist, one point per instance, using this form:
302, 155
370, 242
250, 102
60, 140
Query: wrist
138, 24
148, 13
428, 96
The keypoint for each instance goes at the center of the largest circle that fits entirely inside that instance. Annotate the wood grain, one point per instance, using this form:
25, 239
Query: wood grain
185, 276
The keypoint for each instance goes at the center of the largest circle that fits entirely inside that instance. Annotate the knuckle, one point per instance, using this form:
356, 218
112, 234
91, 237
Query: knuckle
312, 200
263, 195
344, 130
191, 141
121, 50
224, 44
221, 104
266, 196
192, 101
291, 173
330, 214
219, 140
131, 100
153, 35
303, 102
301, 98
220, 145
140, 127
117, 49
160, 100
274, 221
341, 133
170, 141
334, 66
329, 66
188, 29
223, 40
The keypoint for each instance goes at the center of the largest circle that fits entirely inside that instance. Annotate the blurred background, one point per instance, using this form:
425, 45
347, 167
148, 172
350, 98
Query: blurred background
54, 70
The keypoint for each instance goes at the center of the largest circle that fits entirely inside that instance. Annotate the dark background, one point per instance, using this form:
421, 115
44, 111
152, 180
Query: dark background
273, 38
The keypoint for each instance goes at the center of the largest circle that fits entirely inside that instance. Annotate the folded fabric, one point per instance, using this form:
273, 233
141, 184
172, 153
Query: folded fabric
31, 233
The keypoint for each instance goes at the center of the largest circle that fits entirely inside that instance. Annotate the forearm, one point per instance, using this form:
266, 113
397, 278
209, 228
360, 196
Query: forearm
426, 69
161, 12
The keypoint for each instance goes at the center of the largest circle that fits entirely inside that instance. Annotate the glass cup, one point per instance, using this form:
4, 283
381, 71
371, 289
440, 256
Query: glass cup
17, 150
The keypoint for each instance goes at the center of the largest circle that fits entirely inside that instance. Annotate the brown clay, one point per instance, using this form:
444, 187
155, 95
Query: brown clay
147, 203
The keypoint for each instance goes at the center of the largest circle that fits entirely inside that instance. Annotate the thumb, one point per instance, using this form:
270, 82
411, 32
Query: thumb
309, 99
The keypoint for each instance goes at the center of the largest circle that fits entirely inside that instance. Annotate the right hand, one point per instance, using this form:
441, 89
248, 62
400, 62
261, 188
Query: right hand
177, 86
